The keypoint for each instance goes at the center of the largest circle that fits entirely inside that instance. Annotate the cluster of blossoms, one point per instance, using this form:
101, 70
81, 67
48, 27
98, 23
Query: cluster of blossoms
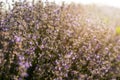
46, 41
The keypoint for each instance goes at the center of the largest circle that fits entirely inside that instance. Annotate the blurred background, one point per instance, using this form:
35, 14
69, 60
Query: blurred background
113, 3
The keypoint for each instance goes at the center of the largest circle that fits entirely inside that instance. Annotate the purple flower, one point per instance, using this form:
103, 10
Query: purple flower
28, 19
32, 48
97, 56
27, 65
21, 63
17, 39
34, 37
5, 29
67, 66
21, 57
29, 36
20, 79
31, 43
118, 57
42, 46
56, 11
24, 74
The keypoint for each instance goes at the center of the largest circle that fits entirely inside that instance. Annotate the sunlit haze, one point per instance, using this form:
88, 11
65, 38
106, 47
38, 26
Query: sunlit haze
113, 3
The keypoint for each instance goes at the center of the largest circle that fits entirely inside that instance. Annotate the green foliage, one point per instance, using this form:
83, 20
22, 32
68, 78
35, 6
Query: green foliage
118, 30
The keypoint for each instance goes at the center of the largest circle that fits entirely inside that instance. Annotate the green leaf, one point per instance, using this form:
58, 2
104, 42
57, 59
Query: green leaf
118, 30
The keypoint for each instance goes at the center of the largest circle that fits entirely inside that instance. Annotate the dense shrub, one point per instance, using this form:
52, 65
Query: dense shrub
46, 41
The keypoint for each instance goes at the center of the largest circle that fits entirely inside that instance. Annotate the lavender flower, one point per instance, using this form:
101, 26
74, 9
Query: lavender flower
24, 74
17, 39
27, 65
21, 57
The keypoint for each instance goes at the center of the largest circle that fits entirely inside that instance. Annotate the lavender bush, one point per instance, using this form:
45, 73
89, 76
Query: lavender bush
46, 41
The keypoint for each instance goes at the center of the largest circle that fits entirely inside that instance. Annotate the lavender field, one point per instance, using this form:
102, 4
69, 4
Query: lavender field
47, 41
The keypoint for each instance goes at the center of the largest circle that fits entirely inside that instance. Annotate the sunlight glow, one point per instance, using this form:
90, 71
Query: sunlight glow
113, 3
